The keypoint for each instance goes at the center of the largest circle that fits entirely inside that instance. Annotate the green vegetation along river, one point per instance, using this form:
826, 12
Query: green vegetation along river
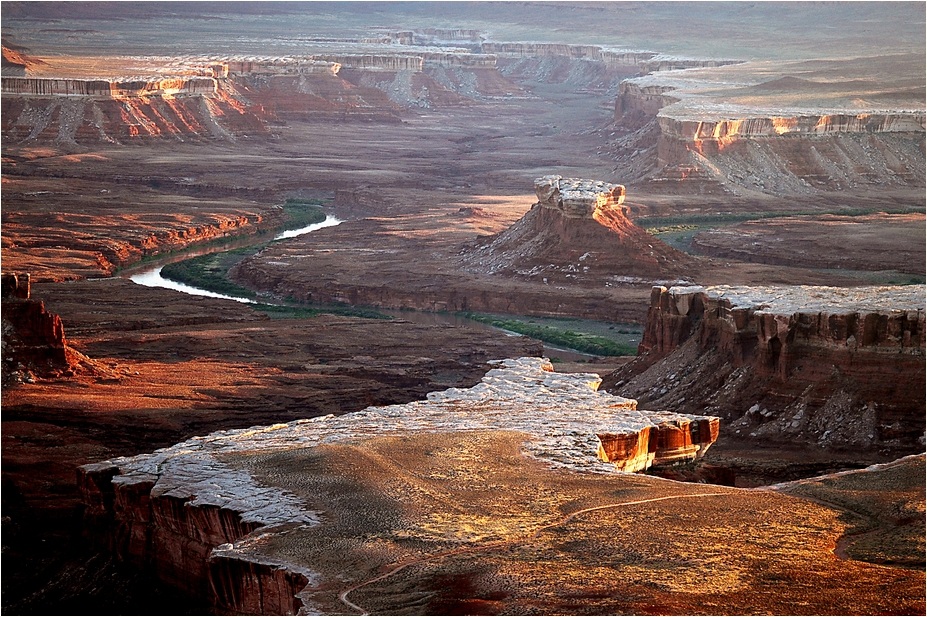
567, 339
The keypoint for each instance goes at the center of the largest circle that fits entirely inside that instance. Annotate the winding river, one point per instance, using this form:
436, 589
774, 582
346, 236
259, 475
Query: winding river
151, 277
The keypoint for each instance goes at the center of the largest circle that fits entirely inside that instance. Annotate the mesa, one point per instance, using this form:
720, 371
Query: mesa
446, 308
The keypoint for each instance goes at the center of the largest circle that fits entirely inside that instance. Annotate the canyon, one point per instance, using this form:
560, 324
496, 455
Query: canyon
840, 368
754, 203
171, 510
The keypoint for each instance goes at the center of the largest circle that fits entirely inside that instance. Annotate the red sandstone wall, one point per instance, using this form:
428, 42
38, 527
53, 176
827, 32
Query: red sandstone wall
166, 536
772, 154
843, 378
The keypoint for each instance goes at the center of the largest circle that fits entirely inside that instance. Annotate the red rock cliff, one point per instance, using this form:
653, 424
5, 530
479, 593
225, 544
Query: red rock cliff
33, 339
577, 227
198, 519
770, 153
840, 367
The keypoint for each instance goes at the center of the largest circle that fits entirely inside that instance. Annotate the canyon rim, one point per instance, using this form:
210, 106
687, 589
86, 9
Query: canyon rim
623, 313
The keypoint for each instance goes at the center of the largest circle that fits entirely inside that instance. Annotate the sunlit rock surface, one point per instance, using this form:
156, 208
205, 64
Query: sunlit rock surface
171, 508
577, 228
837, 367
33, 342
785, 128
562, 412
579, 198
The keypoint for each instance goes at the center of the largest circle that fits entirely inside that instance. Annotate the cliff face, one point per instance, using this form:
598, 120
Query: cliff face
170, 529
33, 339
543, 49
839, 367
42, 86
775, 153
228, 97
637, 104
69, 111
576, 227
198, 518
17, 62
376, 62
668, 442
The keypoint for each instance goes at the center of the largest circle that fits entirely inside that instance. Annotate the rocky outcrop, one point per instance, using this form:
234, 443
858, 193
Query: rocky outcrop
543, 49
376, 62
122, 88
784, 153
16, 61
227, 97
660, 62
107, 244
637, 104
575, 198
838, 367
200, 521
111, 117
280, 66
459, 60
33, 339
13, 63
16, 286
172, 526
666, 443
576, 228
710, 137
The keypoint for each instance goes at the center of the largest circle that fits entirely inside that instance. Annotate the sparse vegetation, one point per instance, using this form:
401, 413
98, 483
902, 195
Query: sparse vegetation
289, 311
302, 212
681, 222
656, 231
571, 339
210, 272
678, 231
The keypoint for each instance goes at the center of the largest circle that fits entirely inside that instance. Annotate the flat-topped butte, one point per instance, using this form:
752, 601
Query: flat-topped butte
576, 197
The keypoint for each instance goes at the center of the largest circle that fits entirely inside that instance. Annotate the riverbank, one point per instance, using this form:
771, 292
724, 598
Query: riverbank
570, 340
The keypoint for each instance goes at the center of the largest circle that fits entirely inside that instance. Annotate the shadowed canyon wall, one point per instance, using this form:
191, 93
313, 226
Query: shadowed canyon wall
33, 339
201, 522
837, 367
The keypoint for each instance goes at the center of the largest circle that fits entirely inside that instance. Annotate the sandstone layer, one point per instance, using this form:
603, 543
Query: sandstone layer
760, 127
166, 366
577, 227
169, 510
836, 367
422, 161
445, 522
34, 345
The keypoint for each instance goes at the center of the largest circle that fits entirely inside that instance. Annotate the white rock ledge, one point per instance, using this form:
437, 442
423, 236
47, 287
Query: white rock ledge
561, 412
